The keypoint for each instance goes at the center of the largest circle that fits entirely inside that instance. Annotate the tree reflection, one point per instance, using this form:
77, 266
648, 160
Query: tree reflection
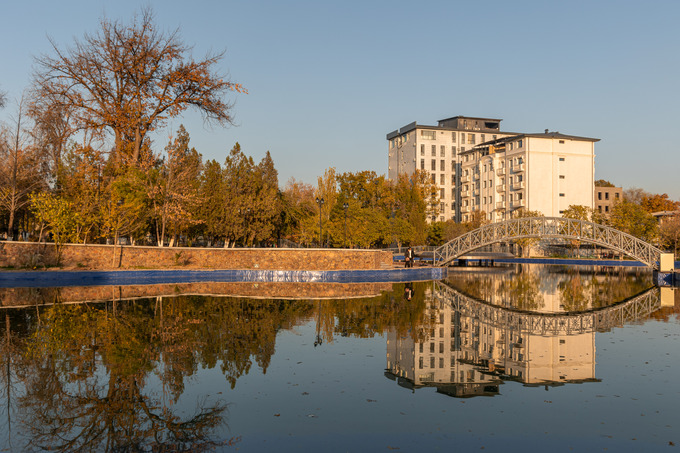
72, 405
89, 371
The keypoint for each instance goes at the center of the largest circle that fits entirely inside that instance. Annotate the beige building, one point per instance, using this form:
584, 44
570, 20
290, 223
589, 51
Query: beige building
479, 168
606, 197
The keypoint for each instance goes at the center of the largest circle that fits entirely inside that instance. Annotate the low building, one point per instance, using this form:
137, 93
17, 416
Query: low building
606, 197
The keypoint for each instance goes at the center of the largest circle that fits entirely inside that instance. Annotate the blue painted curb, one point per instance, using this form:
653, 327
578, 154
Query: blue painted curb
45, 279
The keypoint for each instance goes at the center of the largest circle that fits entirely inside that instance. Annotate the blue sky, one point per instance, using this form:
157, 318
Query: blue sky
328, 80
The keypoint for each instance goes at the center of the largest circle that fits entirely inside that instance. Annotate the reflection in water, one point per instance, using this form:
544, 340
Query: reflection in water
113, 376
496, 324
110, 376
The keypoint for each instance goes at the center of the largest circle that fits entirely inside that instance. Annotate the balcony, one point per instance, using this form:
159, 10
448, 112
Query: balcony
465, 209
518, 168
500, 205
500, 171
476, 192
518, 185
518, 204
465, 178
500, 188
464, 193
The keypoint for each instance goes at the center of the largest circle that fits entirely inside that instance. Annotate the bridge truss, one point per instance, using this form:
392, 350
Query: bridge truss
549, 227
637, 308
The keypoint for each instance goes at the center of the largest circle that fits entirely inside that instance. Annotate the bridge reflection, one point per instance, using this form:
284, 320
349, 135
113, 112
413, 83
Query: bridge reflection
473, 346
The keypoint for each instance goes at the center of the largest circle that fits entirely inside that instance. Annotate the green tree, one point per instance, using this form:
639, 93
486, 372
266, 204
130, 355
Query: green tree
603, 183
669, 234
57, 215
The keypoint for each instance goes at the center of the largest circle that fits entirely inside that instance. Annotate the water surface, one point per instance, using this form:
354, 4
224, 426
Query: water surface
505, 359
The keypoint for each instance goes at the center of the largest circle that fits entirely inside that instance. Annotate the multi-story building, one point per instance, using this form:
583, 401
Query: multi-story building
479, 168
606, 197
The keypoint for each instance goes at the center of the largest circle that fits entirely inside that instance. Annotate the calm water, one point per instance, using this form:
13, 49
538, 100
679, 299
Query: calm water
500, 359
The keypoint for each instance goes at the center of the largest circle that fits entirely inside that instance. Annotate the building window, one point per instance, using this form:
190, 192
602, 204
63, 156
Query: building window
616, 195
453, 137
453, 151
606, 208
561, 142
453, 205
422, 164
422, 150
434, 150
434, 165
462, 149
441, 193
442, 165
462, 137
561, 195
420, 363
428, 135
606, 195
442, 151
561, 176
519, 144
481, 138
561, 159
434, 178
599, 195
442, 179
453, 180
442, 208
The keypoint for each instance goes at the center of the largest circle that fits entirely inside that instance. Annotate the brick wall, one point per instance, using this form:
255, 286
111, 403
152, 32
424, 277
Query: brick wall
31, 254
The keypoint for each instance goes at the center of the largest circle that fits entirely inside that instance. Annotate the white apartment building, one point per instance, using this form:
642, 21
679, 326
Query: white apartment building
479, 168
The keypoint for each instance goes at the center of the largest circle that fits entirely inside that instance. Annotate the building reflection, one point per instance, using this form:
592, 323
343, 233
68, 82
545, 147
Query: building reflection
522, 331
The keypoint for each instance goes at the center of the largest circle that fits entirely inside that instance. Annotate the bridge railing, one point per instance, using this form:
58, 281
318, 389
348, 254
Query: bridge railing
549, 227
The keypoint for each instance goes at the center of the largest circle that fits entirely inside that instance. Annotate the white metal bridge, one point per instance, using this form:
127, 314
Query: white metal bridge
549, 227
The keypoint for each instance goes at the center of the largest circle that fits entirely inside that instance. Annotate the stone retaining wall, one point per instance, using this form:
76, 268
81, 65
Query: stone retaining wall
35, 255
21, 297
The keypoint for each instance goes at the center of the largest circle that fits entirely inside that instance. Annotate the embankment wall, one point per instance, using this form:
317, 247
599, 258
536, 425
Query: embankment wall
102, 257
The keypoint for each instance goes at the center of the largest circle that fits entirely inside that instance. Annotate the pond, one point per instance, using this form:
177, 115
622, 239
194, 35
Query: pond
521, 357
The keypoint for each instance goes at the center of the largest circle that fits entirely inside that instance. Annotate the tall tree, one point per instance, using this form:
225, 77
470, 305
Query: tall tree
21, 168
128, 79
175, 193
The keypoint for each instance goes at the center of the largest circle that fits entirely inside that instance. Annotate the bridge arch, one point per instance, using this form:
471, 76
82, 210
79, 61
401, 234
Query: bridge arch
549, 227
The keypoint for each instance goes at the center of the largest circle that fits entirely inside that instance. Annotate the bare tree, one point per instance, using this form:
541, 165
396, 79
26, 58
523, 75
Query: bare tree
128, 79
21, 167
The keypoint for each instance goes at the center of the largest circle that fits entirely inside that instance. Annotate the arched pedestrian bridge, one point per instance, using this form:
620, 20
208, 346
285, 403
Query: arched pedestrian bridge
550, 227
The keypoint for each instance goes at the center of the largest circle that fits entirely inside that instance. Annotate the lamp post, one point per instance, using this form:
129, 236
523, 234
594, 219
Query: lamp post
320, 202
345, 206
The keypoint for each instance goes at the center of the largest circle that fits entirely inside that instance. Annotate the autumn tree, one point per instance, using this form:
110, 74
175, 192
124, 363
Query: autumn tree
174, 188
22, 168
128, 80
631, 218
84, 186
669, 234
526, 243
658, 202
298, 206
603, 183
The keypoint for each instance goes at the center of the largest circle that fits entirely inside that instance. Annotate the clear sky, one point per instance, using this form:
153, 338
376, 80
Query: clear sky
328, 80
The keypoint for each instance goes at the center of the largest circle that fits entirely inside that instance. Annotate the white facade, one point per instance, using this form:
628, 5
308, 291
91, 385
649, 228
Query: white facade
479, 168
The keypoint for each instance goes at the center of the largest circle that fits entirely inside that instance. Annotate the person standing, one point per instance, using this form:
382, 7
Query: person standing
408, 259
